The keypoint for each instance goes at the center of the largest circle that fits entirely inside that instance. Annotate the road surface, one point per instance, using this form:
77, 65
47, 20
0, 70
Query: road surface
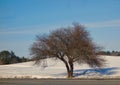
57, 82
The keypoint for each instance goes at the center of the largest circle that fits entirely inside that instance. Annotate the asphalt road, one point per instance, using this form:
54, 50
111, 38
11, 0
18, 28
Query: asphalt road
57, 82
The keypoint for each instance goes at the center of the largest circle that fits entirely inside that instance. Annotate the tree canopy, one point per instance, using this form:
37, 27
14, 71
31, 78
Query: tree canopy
71, 44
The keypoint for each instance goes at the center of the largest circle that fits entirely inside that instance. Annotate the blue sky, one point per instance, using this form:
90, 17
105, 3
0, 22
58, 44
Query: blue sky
22, 20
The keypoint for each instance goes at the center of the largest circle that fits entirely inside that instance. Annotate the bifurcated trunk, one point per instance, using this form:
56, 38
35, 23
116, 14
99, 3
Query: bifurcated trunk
69, 67
69, 70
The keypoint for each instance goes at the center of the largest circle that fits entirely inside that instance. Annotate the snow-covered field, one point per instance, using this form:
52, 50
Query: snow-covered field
56, 69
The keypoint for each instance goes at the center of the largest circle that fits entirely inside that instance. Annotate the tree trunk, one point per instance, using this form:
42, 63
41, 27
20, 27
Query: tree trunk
69, 67
70, 74
71, 70
68, 70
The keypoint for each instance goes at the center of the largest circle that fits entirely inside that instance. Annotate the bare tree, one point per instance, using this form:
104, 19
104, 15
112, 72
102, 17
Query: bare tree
71, 44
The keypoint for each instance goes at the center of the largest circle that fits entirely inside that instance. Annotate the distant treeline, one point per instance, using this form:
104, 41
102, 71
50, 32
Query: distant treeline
7, 57
111, 53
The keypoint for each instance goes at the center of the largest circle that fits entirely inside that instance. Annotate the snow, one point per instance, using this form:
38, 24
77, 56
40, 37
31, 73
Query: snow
57, 69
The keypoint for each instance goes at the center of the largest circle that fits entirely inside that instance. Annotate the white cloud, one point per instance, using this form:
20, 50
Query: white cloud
18, 32
30, 29
38, 29
112, 23
22, 30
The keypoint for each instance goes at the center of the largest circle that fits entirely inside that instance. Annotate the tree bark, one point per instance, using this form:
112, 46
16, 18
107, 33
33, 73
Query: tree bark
70, 74
69, 67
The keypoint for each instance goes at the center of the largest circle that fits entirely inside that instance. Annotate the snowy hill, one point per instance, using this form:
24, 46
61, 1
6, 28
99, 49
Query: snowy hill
56, 69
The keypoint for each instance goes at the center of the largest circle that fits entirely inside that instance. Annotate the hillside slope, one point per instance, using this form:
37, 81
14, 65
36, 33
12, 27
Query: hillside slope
56, 69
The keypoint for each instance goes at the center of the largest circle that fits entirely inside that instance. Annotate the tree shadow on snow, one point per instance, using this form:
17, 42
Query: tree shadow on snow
92, 72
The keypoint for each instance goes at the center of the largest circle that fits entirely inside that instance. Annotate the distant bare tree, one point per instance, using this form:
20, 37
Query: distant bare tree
71, 44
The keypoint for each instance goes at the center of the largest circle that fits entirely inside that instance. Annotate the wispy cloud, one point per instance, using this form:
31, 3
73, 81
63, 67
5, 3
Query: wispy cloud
112, 23
38, 29
18, 32
22, 30
30, 30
